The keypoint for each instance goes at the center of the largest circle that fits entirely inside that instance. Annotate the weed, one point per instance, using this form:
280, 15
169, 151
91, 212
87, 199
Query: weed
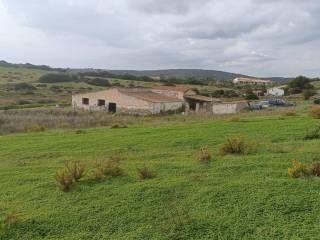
110, 167
145, 173
76, 169
290, 113
234, 145
298, 170
312, 134
315, 169
315, 112
80, 131
64, 180
235, 119
204, 155
118, 125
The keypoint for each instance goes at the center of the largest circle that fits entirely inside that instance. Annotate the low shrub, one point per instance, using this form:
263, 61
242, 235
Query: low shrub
317, 101
9, 220
110, 167
118, 125
312, 134
298, 170
315, 169
36, 128
80, 131
234, 145
64, 180
315, 112
235, 119
76, 169
204, 155
290, 113
145, 173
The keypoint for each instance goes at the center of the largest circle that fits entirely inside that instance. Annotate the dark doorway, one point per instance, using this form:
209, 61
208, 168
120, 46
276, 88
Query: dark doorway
112, 107
101, 103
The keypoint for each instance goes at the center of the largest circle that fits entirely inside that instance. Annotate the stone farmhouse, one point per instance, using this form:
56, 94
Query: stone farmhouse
155, 100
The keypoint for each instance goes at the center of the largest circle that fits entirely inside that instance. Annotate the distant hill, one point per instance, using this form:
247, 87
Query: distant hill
198, 74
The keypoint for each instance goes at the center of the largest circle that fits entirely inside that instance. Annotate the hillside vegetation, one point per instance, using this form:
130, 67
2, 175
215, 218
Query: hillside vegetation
247, 196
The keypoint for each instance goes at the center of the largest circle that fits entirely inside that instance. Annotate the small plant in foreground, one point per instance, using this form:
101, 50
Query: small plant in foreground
80, 131
9, 220
315, 169
312, 134
76, 169
298, 170
290, 113
110, 167
315, 112
235, 119
145, 173
204, 155
234, 145
64, 180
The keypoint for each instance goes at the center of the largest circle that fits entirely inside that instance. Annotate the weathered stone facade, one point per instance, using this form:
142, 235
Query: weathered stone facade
133, 102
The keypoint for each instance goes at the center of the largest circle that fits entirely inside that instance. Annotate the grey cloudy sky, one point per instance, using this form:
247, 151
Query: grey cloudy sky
256, 37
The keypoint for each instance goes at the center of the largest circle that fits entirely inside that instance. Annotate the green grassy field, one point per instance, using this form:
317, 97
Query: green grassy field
234, 197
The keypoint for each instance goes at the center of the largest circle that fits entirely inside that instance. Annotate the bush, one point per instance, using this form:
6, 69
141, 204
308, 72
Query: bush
111, 168
24, 86
315, 112
298, 170
118, 125
235, 145
290, 113
57, 78
312, 134
308, 93
204, 155
9, 220
98, 82
76, 169
36, 128
317, 101
64, 180
315, 169
145, 173
235, 119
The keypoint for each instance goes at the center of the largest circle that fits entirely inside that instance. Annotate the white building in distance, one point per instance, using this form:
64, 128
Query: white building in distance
251, 81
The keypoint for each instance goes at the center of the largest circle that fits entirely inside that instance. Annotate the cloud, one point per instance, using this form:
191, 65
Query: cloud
256, 37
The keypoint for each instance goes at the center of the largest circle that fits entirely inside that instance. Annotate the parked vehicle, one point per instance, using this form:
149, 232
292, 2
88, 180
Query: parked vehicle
254, 106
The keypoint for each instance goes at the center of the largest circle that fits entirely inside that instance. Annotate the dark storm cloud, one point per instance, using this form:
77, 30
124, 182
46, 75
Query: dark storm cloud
249, 36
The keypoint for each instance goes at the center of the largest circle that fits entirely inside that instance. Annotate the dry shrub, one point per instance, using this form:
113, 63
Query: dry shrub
290, 113
64, 180
145, 173
204, 155
76, 169
312, 134
234, 145
118, 125
110, 167
80, 131
9, 220
298, 170
315, 112
36, 128
235, 119
315, 169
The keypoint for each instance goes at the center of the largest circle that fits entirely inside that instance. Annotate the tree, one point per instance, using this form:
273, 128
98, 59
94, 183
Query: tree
299, 84
250, 95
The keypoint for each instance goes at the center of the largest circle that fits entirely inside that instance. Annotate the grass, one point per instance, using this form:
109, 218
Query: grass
236, 197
